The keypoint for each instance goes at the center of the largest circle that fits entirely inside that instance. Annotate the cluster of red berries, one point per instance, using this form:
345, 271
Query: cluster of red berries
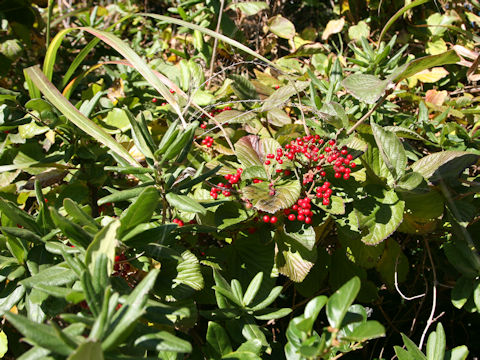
154, 100
311, 149
216, 111
303, 208
324, 192
208, 141
269, 219
225, 189
178, 222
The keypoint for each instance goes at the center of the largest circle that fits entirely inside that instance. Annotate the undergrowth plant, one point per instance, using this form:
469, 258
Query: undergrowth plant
172, 188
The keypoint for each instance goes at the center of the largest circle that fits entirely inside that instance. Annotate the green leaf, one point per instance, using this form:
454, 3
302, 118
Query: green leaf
78, 215
366, 331
230, 213
379, 214
54, 275
217, 339
286, 194
427, 62
163, 341
444, 164
88, 350
436, 344
11, 211
335, 114
458, 353
413, 350
274, 293
271, 314
10, 296
243, 88
365, 87
3, 344
39, 334
476, 294
310, 314
185, 203
393, 261
75, 233
252, 289
250, 8
74, 115
392, 151
283, 94
141, 210
189, 276
461, 291
104, 242
125, 319
402, 354
281, 27
340, 301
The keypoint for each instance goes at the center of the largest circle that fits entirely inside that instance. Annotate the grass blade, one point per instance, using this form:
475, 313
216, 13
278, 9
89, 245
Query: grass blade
72, 114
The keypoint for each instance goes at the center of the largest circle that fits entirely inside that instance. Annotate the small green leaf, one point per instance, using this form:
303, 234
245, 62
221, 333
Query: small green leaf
365, 87
75, 233
243, 88
250, 8
281, 27
271, 314
185, 203
340, 301
252, 289
367, 331
413, 350
436, 344
217, 339
104, 242
163, 341
141, 210
461, 291
3, 344
458, 353
392, 151
88, 350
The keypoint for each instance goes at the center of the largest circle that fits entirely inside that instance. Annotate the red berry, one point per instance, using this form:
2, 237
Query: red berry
338, 175
332, 142
172, 91
308, 220
326, 201
154, 100
266, 218
267, 162
203, 126
346, 176
300, 217
291, 217
273, 219
352, 165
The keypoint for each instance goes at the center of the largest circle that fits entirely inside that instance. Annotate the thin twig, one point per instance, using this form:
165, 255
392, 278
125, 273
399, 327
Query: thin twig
398, 289
430, 320
215, 42
367, 115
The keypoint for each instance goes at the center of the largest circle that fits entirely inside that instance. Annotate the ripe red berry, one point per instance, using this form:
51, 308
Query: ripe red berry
308, 220
300, 217
267, 162
291, 217
154, 100
273, 219
203, 126
326, 201
266, 218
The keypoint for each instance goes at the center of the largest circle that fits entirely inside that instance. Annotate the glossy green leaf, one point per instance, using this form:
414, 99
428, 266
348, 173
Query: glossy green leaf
436, 344
104, 242
88, 350
141, 210
413, 350
252, 289
458, 353
163, 341
366, 331
54, 275
217, 339
39, 334
133, 308
75, 233
340, 301
3, 344
271, 314
462, 290
77, 214
185, 203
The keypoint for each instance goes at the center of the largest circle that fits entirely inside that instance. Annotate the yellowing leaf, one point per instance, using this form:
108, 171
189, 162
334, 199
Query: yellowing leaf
281, 27
436, 97
333, 27
432, 75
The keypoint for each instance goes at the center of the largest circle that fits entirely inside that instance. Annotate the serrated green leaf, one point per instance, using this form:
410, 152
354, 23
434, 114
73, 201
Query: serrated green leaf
365, 87
392, 151
286, 194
